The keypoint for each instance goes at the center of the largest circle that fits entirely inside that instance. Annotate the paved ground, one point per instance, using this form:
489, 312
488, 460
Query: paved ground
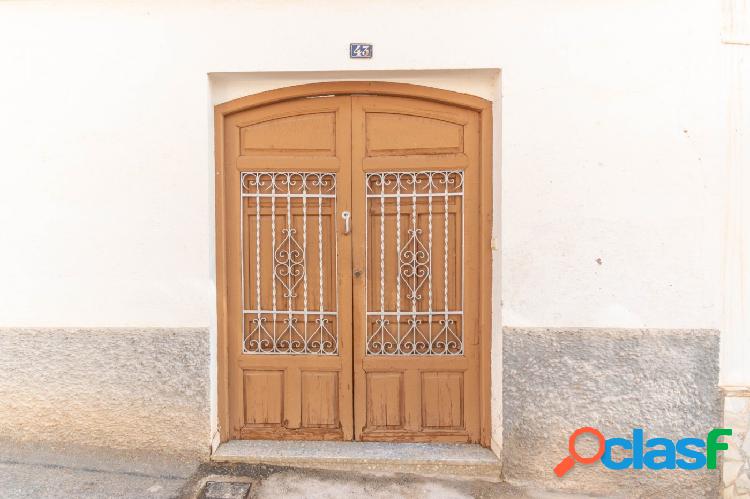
46, 471
267, 482
43, 471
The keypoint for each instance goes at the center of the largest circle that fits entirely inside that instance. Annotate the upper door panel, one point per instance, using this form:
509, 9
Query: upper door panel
399, 133
279, 135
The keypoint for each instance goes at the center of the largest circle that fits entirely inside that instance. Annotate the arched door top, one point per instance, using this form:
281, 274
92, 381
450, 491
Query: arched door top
354, 87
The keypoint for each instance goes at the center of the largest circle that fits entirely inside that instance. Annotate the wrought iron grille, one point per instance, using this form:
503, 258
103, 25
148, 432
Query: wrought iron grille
288, 272
415, 263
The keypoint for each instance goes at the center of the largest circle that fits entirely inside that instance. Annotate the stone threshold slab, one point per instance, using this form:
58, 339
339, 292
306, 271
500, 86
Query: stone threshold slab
422, 458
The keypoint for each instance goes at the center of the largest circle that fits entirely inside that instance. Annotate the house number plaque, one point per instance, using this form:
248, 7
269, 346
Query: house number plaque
360, 51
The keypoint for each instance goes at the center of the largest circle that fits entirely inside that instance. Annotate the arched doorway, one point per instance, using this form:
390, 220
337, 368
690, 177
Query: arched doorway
353, 223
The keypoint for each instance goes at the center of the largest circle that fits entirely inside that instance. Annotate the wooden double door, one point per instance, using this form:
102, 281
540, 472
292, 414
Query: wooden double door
352, 270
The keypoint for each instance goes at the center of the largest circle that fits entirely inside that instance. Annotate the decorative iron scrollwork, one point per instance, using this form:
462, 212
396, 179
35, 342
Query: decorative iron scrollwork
292, 324
414, 323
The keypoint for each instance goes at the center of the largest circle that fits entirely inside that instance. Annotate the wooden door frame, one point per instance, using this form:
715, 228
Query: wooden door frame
481, 106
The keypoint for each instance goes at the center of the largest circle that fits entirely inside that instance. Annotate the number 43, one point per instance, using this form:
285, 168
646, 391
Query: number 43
359, 50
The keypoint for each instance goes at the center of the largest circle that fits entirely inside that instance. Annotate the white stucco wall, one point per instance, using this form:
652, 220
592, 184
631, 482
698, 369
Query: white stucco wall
613, 145
736, 324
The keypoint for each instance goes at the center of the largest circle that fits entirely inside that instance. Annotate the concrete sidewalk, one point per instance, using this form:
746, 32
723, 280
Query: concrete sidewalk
42, 471
34, 470
231, 481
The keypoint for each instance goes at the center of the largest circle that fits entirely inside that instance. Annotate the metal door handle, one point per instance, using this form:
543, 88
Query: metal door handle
347, 216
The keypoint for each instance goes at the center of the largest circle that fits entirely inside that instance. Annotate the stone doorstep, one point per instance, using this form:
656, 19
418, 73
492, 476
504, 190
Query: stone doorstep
459, 460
